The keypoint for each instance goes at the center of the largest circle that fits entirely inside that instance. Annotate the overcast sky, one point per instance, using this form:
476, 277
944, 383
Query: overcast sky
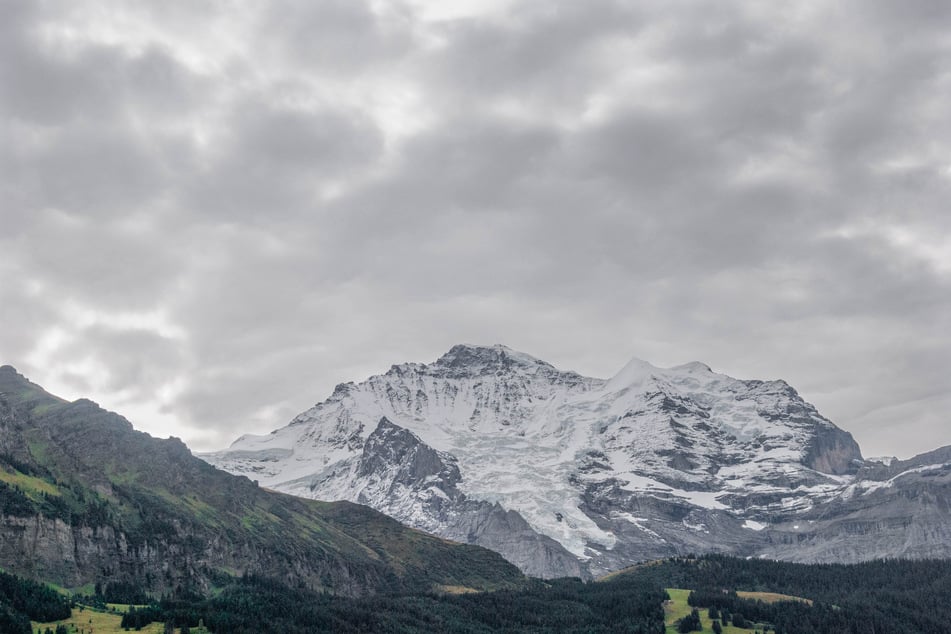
213, 212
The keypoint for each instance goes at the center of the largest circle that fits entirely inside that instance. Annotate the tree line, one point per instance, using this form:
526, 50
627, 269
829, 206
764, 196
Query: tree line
256, 604
880, 596
22, 600
895, 596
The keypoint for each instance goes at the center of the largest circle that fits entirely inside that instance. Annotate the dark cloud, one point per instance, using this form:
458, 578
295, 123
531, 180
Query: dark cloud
272, 161
544, 54
111, 268
211, 215
335, 37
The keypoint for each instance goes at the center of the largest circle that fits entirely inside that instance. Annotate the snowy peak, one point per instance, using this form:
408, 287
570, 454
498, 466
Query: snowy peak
693, 367
574, 456
472, 359
633, 375
466, 361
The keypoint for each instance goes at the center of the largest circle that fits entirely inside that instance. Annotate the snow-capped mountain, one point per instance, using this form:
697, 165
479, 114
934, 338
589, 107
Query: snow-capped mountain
565, 474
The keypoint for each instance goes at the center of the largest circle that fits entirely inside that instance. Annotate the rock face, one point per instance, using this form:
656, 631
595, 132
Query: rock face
398, 474
565, 474
902, 510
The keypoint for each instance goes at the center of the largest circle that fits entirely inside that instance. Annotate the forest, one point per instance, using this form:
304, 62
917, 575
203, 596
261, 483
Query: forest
22, 600
254, 604
895, 596
880, 596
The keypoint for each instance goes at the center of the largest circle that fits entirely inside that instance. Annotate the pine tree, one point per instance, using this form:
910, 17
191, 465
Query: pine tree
690, 623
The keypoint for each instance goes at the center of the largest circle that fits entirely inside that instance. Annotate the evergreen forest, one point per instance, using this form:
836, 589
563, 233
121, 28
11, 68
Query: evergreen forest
879, 596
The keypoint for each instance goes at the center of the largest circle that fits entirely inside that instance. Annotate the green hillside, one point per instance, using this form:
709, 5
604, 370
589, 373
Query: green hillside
85, 499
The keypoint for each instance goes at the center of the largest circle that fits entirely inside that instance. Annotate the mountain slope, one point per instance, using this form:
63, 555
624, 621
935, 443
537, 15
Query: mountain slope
651, 463
900, 510
86, 499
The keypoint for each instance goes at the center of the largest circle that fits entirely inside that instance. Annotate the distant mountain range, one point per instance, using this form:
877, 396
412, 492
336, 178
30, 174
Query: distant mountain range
570, 475
86, 502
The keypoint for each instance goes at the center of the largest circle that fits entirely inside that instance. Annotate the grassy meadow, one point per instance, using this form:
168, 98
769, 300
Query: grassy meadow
677, 608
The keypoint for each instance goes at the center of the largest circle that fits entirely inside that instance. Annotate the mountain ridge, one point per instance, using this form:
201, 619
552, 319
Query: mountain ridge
652, 462
87, 499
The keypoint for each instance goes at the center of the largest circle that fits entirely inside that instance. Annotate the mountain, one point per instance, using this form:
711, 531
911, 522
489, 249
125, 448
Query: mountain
566, 474
85, 499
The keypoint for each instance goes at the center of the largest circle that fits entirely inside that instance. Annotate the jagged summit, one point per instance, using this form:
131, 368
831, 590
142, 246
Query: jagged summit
473, 360
10, 375
693, 366
473, 355
581, 460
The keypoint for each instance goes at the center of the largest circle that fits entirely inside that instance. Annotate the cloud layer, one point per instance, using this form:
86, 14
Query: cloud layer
213, 212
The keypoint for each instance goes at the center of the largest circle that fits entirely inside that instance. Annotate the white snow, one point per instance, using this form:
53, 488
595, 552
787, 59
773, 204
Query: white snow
704, 499
521, 431
865, 487
640, 523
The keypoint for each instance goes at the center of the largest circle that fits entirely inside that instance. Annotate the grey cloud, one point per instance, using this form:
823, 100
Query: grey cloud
83, 123
647, 154
858, 277
50, 83
107, 268
93, 170
40, 86
542, 54
585, 183
335, 36
477, 164
922, 15
272, 160
19, 305
138, 361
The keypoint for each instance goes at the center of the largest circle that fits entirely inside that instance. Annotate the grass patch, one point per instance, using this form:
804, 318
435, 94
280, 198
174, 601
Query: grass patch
770, 597
444, 589
38, 449
89, 621
87, 589
124, 607
31, 485
120, 475
628, 570
44, 408
677, 608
